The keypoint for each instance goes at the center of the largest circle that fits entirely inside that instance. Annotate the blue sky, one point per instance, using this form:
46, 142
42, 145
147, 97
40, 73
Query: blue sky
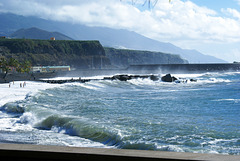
217, 4
209, 26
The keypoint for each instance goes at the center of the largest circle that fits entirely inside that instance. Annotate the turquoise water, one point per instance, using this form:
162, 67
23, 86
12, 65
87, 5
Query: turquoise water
199, 117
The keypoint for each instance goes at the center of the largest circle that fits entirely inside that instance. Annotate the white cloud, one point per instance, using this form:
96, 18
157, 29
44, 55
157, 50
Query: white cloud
166, 21
232, 12
178, 21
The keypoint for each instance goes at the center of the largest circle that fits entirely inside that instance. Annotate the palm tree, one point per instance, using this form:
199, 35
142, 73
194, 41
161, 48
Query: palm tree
27, 66
13, 63
24, 67
20, 67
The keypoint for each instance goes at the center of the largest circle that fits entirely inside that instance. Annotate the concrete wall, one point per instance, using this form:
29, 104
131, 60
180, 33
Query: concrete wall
25, 152
186, 68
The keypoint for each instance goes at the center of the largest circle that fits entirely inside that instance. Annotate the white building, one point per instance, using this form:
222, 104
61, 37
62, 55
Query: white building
41, 69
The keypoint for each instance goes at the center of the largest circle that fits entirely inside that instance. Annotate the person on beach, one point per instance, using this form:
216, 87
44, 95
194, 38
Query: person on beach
20, 85
9, 84
24, 84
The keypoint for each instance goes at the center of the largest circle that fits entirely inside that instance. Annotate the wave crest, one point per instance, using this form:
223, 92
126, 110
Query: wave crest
13, 108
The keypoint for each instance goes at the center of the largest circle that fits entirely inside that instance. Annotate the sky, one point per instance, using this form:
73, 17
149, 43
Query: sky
209, 26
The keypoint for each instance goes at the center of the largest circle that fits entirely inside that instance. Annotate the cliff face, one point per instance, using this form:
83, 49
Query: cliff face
78, 54
124, 58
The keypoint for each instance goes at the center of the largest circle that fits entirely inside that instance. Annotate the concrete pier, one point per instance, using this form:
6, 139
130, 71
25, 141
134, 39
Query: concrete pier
41, 152
186, 68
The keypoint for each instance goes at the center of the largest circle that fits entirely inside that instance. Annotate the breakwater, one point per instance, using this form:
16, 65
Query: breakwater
185, 68
115, 77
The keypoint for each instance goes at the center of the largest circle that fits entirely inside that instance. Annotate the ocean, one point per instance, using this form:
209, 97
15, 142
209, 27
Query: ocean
197, 117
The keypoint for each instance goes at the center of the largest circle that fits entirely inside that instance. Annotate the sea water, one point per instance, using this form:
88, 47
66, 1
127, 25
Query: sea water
198, 117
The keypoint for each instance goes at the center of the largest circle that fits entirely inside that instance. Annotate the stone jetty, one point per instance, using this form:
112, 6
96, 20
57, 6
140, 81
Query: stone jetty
123, 77
115, 77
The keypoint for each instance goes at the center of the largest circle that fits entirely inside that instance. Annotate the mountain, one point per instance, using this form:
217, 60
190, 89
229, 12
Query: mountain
35, 33
108, 37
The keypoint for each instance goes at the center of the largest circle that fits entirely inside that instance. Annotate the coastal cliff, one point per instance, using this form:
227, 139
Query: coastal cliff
123, 58
78, 54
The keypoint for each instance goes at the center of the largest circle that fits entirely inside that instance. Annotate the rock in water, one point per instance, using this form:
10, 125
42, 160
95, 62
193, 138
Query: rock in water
121, 77
154, 78
168, 78
193, 80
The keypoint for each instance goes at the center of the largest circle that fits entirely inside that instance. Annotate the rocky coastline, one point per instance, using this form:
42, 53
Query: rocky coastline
47, 78
122, 77
142, 72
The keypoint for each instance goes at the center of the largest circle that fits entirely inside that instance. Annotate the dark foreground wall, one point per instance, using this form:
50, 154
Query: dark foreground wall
186, 68
38, 152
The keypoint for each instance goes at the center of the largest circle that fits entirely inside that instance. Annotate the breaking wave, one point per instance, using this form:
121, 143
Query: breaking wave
89, 130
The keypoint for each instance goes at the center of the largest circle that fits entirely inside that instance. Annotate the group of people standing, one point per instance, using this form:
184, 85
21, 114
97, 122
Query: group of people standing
22, 85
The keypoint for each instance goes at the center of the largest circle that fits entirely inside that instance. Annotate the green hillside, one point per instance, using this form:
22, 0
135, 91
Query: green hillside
78, 54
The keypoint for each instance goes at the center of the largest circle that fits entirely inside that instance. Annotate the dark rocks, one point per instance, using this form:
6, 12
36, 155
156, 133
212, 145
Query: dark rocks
129, 77
168, 78
65, 81
154, 78
115, 77
193, 80
123, 77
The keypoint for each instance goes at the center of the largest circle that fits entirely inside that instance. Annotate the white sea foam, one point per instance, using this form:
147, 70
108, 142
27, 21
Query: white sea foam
87, 85
27, 118
229, 99
187, 75
16, 93
174, 148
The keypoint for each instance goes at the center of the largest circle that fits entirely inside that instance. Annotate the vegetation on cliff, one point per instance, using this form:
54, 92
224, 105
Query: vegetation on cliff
124, 58
78, 54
